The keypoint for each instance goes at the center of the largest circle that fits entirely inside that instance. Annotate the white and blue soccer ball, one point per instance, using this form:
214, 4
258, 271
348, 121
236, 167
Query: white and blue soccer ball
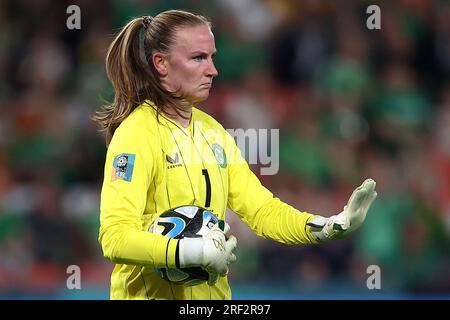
184, 222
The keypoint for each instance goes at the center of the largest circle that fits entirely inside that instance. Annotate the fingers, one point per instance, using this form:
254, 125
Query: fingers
231, 243
368, 186
214, 276
226, 228
370, 199
363, 195
232, 258
220, 271
374, 195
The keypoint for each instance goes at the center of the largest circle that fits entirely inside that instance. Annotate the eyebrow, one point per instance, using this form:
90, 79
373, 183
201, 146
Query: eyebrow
203, 52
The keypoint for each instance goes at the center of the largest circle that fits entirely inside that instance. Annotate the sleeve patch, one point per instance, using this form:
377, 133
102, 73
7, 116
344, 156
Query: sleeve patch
123, 167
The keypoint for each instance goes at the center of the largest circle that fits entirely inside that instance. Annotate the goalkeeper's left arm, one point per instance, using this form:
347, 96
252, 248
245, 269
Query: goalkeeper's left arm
273, 219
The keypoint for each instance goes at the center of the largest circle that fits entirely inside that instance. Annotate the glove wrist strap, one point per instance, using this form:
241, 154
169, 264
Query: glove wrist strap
190, 252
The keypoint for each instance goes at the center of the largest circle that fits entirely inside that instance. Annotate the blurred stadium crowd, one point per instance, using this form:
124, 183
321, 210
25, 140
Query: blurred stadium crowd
349, 102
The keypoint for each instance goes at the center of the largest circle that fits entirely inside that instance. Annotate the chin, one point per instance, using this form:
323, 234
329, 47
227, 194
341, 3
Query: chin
200, 98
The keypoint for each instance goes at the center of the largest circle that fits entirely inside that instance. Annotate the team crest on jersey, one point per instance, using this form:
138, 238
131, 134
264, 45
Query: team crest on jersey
123, 167
220, 155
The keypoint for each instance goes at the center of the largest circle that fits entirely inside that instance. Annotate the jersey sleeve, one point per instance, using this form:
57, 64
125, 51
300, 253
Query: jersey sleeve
129, 171
266, 215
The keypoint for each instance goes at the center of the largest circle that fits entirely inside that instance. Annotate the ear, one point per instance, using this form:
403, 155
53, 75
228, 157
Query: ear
160, 63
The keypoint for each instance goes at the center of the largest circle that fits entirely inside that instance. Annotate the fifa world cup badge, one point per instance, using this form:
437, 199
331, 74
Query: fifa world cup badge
123, 167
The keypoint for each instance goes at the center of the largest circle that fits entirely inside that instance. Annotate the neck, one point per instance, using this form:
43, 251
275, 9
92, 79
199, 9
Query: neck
183, 117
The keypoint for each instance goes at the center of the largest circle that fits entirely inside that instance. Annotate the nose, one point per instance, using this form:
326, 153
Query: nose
212, 71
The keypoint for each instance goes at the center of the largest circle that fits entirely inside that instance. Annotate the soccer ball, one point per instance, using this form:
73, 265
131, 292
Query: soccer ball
184, 222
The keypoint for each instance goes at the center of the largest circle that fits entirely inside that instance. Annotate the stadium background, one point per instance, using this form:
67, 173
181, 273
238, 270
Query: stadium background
349, 102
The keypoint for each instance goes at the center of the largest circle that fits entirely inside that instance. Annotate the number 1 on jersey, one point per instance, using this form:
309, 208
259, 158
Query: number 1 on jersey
208, 188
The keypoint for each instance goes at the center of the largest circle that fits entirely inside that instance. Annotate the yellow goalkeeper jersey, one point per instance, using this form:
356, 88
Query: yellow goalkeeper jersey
154, 164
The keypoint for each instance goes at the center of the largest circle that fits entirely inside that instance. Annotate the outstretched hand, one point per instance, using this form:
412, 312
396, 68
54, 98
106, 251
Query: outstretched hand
350, 219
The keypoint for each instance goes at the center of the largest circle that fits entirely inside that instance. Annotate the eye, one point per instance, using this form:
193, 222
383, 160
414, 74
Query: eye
198, 58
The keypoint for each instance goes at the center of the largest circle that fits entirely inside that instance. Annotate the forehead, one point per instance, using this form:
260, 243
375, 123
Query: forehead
197, 38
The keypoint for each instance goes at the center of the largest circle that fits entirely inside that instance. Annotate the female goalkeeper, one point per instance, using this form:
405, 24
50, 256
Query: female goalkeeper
163, 152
